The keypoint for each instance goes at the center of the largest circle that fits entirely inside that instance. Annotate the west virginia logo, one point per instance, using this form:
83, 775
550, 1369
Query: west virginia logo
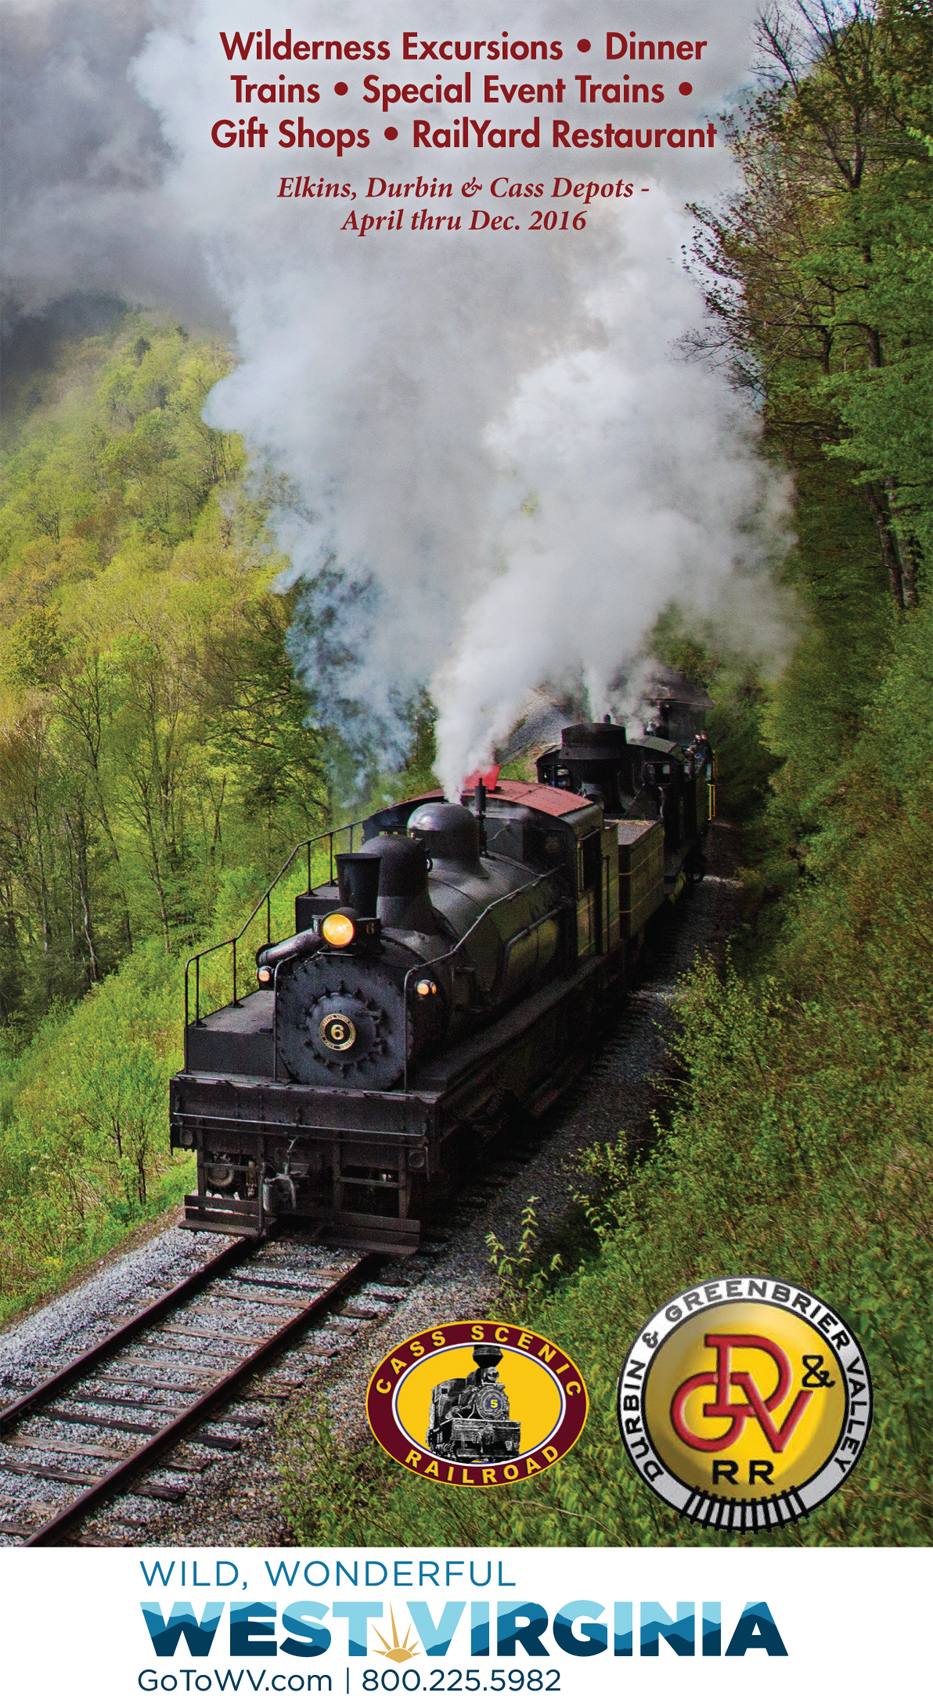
744, 1402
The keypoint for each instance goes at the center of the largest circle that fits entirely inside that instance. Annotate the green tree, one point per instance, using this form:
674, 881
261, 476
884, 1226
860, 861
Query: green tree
817, 271
153, 734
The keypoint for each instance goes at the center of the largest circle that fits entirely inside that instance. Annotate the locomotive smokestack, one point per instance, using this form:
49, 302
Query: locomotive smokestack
487, 1356
479, 798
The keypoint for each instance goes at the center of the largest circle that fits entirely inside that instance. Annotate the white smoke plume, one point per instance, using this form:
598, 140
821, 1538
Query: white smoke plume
500, 469
642, 487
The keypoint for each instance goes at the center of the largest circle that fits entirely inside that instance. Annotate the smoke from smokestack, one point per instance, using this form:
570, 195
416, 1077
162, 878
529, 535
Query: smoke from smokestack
497, 467
641, 485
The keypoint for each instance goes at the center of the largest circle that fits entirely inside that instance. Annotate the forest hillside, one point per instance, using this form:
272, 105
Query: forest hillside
155, 768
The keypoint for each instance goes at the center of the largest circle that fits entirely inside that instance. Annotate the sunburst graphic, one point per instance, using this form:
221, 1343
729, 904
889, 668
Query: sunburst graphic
398, 1650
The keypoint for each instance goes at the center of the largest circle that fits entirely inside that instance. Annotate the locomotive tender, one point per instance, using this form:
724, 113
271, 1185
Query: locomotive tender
454, 968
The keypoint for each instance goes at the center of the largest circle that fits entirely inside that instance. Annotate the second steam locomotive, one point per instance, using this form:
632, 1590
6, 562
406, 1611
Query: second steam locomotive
454, 967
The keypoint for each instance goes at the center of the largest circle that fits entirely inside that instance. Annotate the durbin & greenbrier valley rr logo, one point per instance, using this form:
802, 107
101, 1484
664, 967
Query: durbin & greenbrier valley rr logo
477, 1404
745, 1402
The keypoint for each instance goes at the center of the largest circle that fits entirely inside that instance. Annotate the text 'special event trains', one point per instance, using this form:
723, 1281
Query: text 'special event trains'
454, 969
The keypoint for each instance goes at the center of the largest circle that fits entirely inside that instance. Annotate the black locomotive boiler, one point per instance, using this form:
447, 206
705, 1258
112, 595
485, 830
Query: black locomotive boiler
456, 965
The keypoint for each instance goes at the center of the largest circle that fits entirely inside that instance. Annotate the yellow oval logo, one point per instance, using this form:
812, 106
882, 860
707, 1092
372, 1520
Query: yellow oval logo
477, 1404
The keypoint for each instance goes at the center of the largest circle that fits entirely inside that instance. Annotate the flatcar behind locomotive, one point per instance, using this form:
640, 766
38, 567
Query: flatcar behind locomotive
457, 965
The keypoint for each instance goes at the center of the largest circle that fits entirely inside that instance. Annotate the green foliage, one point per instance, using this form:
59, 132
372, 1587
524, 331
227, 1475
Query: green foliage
83, 1117
418, 774
799, 1141
818, 271
152, 734
345, 1489
888, 229
155, 768
744, 762
519, 1271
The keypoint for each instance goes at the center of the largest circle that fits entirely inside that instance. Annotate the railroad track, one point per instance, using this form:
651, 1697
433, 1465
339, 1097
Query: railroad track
107, 1418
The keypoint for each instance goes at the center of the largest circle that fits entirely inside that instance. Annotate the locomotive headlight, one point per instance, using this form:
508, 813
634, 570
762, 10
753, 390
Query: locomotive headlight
264, 976
338, 930
425, 988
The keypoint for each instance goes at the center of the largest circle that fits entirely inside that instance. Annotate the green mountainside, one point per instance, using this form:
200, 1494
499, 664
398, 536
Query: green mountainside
154, 769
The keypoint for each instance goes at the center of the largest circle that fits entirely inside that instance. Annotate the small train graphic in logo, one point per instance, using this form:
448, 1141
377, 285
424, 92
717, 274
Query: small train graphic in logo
470, 1416
744, 1403
477, 1404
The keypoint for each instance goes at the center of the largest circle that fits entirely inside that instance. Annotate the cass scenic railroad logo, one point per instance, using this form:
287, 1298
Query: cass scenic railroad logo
745, 1402
477, 1404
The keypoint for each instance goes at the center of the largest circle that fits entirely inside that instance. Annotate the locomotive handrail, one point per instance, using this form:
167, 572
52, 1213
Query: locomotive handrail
306, 844
420, 967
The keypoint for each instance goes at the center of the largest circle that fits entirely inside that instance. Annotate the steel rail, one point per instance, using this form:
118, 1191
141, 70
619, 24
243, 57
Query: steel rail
232, 1254
173, 1432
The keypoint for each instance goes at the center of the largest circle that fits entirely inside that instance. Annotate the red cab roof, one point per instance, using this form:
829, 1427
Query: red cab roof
545, 798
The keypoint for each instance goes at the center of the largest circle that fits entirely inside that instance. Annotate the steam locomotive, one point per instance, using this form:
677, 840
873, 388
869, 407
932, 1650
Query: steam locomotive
453, 969
470, 1421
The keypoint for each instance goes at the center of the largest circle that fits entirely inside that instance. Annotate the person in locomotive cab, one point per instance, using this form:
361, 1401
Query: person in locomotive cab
469, 1420
703, 754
